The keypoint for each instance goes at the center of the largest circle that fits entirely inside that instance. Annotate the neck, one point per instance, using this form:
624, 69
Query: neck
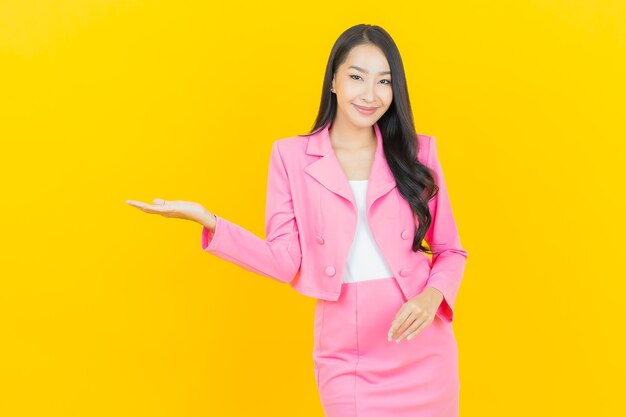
350, 137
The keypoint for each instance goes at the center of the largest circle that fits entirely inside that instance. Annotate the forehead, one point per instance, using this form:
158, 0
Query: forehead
368, 57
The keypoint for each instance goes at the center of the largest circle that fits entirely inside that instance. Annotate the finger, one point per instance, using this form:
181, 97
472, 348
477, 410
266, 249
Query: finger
412, 328
399, 323
395, 323
135, 203
417, 331
405, 328
148, 208
159, 201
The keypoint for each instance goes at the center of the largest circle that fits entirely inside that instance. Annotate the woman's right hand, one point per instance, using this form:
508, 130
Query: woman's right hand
178, 209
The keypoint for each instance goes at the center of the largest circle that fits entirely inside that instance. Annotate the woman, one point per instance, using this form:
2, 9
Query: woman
348, 206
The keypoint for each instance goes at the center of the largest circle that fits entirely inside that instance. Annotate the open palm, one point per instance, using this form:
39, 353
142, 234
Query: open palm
178, 209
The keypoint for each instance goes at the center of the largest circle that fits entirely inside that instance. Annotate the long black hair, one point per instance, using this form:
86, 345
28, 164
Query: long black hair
415, 181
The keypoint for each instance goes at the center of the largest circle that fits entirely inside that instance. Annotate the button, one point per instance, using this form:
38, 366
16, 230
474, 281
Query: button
404, 272
405, 234
319, 240
330, 270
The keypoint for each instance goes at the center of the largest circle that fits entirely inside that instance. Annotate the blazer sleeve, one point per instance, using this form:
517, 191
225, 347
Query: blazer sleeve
449, 257
279, 255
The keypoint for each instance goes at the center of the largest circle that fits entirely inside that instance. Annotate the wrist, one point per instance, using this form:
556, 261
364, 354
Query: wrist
434, 293
208, 220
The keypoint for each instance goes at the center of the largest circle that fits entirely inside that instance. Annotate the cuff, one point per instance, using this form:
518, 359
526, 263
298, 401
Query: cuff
209, 238
444, 311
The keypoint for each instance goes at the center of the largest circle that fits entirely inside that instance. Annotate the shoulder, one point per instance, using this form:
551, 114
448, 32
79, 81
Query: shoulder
291, 151
291, 144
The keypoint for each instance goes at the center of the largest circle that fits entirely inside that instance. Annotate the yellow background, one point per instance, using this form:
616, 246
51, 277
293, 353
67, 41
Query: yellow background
106, 310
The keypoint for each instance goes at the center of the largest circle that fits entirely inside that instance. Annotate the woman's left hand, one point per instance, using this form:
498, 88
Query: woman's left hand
415, 314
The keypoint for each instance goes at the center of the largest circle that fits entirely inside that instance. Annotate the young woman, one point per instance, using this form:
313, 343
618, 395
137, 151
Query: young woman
348, 206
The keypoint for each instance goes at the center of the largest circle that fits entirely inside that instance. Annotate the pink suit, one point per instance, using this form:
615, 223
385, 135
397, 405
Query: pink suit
310, 222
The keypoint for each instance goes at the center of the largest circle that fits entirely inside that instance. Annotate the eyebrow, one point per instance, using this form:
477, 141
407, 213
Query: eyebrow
366, 71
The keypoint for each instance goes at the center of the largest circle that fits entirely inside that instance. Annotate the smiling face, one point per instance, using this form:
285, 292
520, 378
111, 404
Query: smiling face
363, 81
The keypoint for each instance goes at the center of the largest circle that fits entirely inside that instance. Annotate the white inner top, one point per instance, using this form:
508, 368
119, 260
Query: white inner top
365, 261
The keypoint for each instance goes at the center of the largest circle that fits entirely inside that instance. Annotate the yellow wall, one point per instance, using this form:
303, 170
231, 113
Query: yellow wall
105, 310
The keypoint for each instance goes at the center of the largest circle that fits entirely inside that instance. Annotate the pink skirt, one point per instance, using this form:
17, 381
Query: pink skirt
359, 373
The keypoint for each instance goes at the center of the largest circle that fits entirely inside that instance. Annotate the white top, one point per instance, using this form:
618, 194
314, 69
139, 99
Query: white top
365, 261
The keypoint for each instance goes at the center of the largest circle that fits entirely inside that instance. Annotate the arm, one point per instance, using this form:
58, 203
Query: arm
449, 257
279, 255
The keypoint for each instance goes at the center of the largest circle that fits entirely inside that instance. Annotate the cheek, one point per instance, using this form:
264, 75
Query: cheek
349, 91
387, 96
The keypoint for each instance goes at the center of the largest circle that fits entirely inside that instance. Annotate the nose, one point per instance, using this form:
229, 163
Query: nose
369, 93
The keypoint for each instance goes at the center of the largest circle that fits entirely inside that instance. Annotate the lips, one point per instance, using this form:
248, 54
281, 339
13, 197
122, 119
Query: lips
365, 110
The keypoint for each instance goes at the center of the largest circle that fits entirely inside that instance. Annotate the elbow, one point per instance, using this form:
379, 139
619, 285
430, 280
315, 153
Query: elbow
288, 264
289, 276
457, 254
458, 251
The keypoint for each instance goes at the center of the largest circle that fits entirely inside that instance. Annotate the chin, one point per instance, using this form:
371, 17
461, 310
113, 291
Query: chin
363, 122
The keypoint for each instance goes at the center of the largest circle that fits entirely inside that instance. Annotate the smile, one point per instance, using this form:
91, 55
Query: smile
365, 110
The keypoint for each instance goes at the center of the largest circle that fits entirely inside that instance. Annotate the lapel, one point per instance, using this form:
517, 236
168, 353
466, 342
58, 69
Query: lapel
328, 172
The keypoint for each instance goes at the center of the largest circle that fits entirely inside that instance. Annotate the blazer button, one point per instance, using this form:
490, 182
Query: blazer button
330, 270
405, 234
404, 272
319, 240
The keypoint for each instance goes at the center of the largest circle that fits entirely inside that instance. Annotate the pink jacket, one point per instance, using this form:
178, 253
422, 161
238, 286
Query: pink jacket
310, 221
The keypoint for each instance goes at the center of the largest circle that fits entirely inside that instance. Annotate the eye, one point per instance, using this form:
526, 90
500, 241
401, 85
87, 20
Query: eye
388, 82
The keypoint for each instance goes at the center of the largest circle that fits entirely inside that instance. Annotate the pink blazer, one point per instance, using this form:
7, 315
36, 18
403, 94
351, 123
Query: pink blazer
310, 221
